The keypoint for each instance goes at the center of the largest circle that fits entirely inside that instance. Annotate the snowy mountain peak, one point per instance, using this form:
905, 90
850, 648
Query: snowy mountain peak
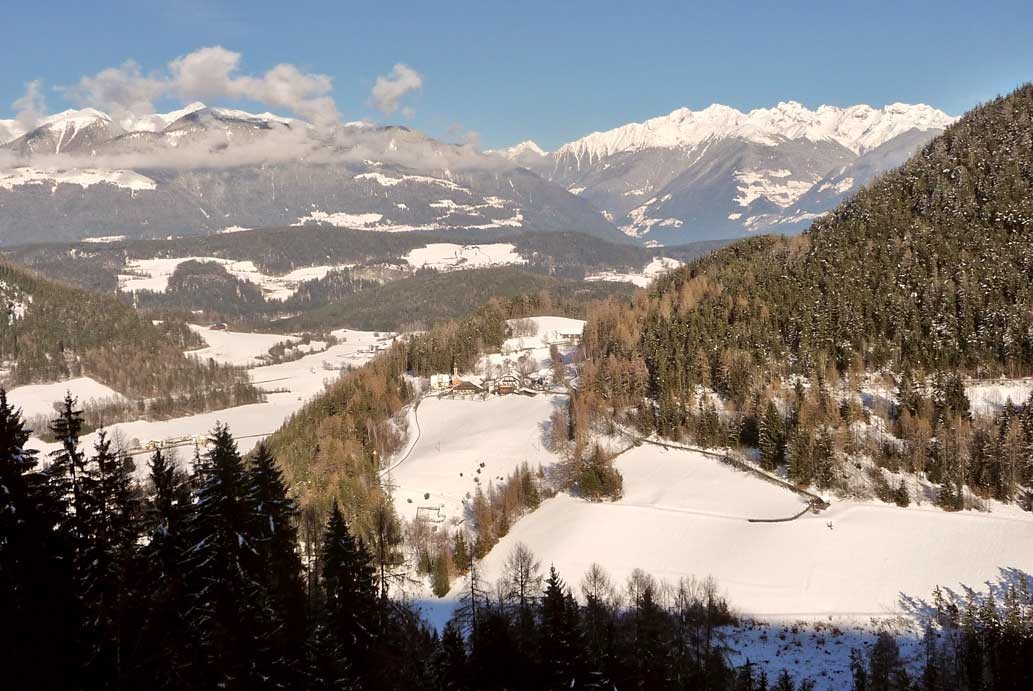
156, 122
527, 146
859, 128
10, 130
521, 150
75, 118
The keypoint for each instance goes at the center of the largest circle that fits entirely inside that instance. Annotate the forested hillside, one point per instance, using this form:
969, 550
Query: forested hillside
333, 446
53, 331
429, 297
925, 275
96, 265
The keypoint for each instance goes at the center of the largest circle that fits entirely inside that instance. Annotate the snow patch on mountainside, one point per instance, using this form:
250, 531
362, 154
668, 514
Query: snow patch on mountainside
445, 256
838, 187
642, 279
83, 177
771, 185
389, 181
446, 466
342, 219
685, 514
154, 274
39, 399
377, 222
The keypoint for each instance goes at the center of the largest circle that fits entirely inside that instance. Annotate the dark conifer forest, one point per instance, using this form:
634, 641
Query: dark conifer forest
196, 578
920, 281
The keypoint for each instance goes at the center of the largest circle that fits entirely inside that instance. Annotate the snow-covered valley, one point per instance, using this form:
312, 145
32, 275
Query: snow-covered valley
290, 385
807, 590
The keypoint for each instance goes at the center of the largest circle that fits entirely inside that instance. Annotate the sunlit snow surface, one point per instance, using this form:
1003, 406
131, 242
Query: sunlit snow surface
466, 444
295, 382
642, 279
39, 399
857, 566
154, 274
446, 256
83, 177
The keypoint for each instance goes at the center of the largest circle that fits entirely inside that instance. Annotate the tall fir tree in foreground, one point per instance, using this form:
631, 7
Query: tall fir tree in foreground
38, 600
224, 571
347, 634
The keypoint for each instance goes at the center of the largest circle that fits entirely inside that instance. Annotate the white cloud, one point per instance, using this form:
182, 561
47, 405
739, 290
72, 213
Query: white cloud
208, 74
390, 89
31, 106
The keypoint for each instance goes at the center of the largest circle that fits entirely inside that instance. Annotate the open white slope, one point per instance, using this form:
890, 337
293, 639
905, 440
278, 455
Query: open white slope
295, 382
643, 278
39, 399
457, 436
446, 256
684, 514
154, 274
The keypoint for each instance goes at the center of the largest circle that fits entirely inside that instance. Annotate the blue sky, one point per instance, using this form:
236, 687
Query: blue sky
551, 71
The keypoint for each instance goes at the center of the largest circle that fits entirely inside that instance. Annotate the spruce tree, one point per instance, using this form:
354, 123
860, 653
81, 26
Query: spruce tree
561, 652
451, 674
166, 636
38, 595
348, 626
68, 470
276, 541
772, 437
110, 561
224, 570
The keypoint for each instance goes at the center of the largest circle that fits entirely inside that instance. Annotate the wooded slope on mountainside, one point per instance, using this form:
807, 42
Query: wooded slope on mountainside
929, 267
53, 331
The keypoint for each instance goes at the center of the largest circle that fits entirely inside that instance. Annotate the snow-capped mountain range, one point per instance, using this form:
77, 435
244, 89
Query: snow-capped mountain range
719, 172
858, 128
690, 175
197, 170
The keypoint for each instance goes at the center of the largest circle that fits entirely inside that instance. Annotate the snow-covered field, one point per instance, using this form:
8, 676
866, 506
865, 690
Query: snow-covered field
235, 348
39, 399
987, 398
872, 555
296, 383
446, 256
642, 279
153, 274
834, 577
466, 443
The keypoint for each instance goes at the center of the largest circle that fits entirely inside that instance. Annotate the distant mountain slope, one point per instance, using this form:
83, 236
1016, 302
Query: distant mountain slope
202, 170
929, 267
429, 298
720, 173
278, 251
52, 331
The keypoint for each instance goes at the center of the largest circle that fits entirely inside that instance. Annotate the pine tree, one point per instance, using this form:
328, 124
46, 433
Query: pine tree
785, 683
450, 664
772, 438
224, 570
349, 618
38, 595
110, 560
68, 471
276, 542
886, 670
561, 651
166, 635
